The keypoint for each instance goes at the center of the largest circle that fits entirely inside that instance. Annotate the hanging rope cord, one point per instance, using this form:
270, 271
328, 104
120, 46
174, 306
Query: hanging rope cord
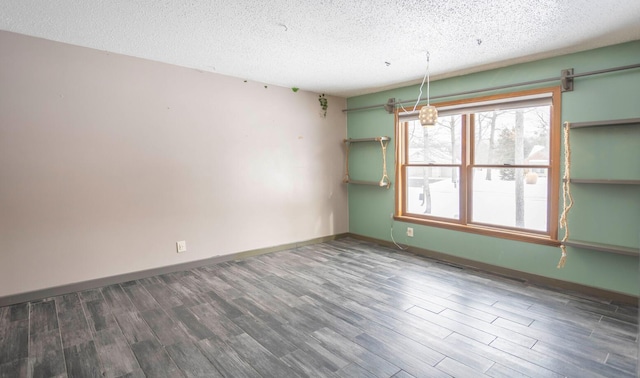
567, 198
386, 183
346, 177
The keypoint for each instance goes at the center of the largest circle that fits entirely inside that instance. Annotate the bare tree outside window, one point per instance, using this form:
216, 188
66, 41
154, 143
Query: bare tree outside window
434, 153
426, 191
491, 118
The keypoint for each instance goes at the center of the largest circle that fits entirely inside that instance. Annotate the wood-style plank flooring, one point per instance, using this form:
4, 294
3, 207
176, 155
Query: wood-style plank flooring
345, 308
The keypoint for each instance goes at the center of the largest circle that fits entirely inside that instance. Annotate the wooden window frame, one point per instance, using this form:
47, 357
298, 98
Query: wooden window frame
463, 224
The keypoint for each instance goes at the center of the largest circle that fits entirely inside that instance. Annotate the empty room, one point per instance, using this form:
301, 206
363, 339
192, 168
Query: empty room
319, 188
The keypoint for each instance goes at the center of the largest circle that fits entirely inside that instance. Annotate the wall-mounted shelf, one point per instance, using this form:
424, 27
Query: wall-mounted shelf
605, 181
384, 181
628, 251
617, 122
372, 183
608, 248
374, 139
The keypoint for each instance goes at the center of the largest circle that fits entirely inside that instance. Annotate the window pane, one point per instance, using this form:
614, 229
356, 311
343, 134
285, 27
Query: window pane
433, 191
512, 197
515, 136
439, 144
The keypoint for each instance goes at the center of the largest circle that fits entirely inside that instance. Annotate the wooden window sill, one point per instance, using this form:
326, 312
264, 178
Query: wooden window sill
523, 236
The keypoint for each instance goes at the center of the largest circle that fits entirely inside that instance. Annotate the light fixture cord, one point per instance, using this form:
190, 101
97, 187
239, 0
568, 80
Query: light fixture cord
428, 81
425, 78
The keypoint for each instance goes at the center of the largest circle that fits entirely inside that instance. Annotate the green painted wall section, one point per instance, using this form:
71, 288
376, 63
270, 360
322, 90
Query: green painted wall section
602, 213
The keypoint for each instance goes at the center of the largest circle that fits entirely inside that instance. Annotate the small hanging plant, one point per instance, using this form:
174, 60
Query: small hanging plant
324, 104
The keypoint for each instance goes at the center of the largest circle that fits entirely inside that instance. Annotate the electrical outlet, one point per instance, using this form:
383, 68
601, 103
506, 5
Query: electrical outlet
181, 246
410, 232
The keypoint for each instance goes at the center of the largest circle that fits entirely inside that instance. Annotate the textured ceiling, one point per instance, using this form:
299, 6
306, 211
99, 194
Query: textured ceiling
337, 47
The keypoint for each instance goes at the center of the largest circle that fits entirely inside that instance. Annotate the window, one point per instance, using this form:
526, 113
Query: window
490, 165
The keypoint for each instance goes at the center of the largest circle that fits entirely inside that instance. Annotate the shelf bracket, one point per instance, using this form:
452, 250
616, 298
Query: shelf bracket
566, 80
390, 106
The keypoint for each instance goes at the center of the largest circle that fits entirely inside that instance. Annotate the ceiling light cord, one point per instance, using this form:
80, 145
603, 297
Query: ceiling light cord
425, 78
428, 80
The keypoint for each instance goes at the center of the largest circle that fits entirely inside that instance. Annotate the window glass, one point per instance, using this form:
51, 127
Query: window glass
433, 191
514, 197
514, 136
439, 144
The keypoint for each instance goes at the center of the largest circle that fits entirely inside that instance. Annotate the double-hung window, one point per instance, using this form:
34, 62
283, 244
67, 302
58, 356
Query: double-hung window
490, 165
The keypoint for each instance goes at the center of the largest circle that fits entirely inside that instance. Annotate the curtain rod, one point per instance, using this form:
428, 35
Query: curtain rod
566, 78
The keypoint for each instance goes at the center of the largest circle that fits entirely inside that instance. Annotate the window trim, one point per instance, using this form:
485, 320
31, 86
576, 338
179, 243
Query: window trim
553, 190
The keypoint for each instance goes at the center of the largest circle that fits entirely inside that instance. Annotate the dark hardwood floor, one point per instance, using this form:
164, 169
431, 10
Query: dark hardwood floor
345, 308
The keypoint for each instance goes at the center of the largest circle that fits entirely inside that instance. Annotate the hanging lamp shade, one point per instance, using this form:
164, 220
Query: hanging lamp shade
428, 115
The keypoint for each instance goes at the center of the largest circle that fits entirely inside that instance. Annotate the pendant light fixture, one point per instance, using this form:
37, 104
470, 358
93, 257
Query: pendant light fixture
428, 115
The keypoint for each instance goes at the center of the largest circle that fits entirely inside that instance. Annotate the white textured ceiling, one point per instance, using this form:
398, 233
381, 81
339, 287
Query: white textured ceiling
336, 47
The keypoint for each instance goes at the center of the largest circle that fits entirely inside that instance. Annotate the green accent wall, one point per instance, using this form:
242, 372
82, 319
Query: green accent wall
601, 213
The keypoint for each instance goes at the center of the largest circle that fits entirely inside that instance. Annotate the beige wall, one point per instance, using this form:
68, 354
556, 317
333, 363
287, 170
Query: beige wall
107, 160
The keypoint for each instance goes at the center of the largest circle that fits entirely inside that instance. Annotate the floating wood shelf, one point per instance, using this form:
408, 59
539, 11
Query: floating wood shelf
374, 139
618, 122
372, 183
384, 181
608, 248
620, 250
605, 181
